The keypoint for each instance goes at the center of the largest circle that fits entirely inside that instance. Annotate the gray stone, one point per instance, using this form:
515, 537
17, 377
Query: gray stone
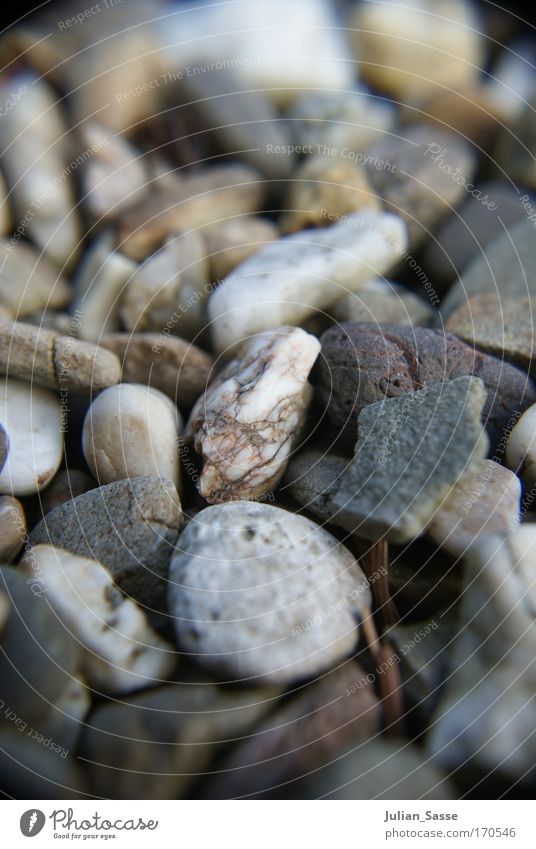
260, 593
129, 526
381, 301
311, 477
168, 735
410, 452
4, 447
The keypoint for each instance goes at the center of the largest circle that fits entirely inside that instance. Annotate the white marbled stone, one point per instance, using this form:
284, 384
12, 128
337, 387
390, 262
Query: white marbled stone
293, 277
132, 431
31, 417
121, 652
246, 423
260, 593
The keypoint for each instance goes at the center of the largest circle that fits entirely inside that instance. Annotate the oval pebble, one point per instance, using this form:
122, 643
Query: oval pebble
31, 417
521, 447
132, 431
260, 593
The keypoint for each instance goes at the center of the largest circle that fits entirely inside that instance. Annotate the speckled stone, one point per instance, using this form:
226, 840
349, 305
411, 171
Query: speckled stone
129, 526
244, 608
410, 452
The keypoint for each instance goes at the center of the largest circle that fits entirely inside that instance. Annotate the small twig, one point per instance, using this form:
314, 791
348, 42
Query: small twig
389, 684
375, 563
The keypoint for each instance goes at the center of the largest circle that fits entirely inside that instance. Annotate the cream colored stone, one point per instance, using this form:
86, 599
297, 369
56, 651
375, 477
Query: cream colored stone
31, 417
121, 653
290, 279
28, 280
132, 431
12, 528
246, 423
520, 452
231, 241
383, 302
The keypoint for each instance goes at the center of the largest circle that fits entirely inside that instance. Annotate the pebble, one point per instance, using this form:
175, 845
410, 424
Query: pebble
511, 84
347, 123
177, 368
520, 454
4, 447
132, 431
417, 51
379, 769
363, 363
250, 417
28, 769
410, 452
500, 269
114, 178
247, 612
302, 735
291, 279
286, 48
486, 501
470, 113
513, 156
198, 199
381, 301
485, 721
31, 417
321, 184
46, 203
479, 221
101, 278
230, 241
129, 526
39, 666
175, 732
169, 289
28, 280
120, 652
48, 359
311, 478
421, 176
12, 528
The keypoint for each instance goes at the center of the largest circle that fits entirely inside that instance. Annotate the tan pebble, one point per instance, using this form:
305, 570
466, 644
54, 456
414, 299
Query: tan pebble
230, 241
12, 528
5, 214
380, 301
29, 281
521, 448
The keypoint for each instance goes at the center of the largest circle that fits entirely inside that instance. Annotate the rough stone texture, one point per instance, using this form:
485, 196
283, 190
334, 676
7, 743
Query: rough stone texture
173, 734
423, 181
31, 417
169, 289
520, 455
363, 363
348, 121
303, 735
297, 276
231, 241
486, 501
114, 178
67, 484
380, 301
47, 359
485, 721
419, 50
410, 452
310, 479
101, 277
503, 327
39, 665
502, 269
246, 423
199, 198
129, 526
379, 769
12, 528
259, 593
179, 369
323, 183
120, 652
463, 236
29, 281
132, 431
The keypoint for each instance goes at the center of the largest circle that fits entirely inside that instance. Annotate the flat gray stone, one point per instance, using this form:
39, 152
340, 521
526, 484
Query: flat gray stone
311, 477
130, 526
410, 452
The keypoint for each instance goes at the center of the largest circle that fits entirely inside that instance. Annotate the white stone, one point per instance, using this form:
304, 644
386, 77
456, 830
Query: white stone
294, 277
31, 417
100, 281
520, 454
132, 431
121, 652
260, 593
248, 420
278, 47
